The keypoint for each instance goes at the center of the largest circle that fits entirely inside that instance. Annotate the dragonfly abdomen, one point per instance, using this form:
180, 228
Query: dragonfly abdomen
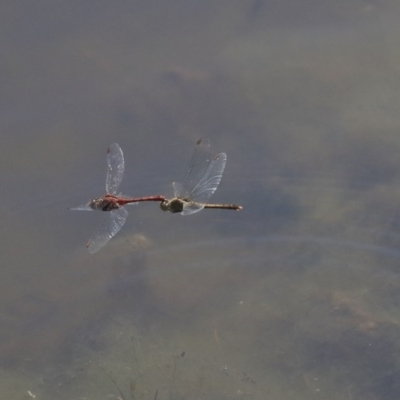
224, 206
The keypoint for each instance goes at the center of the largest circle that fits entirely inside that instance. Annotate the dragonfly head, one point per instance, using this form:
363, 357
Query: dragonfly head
95, 203
164, 205
103, 204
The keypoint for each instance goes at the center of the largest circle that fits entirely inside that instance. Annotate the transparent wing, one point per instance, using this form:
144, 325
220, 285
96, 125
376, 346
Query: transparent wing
191, 208
210, 180
84, 207
198, 165
115, 168
110, 226
179, 190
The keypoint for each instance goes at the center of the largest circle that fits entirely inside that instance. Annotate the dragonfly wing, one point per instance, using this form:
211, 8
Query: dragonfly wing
179, 190
85, 207
198, 166
110, 226
115, 168
191, 208
210, 180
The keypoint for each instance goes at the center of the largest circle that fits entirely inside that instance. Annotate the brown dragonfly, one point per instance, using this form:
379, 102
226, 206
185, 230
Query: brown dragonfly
201, 181
111, 202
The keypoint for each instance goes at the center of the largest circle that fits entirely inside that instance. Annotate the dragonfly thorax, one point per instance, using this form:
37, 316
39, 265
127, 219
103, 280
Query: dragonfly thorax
103, 204
174, 206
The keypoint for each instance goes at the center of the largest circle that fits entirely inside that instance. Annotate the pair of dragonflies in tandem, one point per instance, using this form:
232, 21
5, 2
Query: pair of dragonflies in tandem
191, 196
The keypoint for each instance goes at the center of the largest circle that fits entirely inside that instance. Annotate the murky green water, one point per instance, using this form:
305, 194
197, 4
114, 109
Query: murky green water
296, 296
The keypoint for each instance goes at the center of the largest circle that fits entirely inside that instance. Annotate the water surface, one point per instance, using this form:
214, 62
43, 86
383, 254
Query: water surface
295, 297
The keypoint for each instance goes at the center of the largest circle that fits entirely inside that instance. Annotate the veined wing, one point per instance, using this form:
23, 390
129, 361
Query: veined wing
198, 165
115, 168
110, 226
206, 186
210, 180
85, 207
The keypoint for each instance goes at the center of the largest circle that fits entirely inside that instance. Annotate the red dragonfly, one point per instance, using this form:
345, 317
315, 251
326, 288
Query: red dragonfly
201, 181
117, 214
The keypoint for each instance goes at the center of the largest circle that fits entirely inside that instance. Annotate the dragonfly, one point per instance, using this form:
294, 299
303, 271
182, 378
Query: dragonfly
112, 203
201, 181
